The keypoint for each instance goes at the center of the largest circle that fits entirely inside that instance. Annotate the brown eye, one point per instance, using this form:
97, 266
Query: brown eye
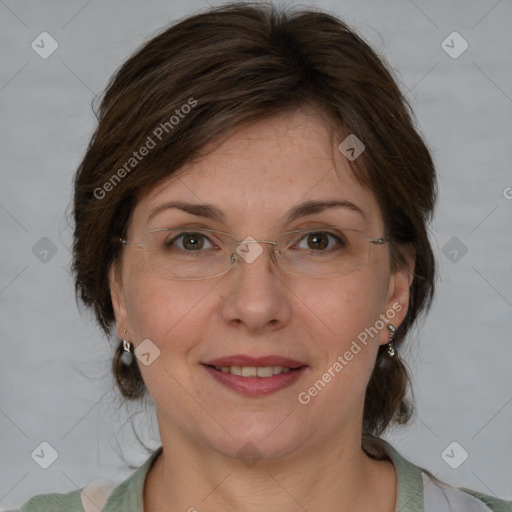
192, 241
320, 240
188, 242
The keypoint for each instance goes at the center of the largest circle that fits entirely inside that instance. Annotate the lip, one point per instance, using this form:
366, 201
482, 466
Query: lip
241, 360
256, 386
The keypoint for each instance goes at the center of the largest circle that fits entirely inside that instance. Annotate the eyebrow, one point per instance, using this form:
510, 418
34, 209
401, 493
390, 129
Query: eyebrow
211, 212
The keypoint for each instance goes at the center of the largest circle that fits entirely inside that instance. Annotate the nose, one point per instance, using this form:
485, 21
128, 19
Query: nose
250, 249
258, 296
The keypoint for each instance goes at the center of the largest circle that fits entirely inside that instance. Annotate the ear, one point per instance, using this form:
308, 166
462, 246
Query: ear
400, 283
117, 298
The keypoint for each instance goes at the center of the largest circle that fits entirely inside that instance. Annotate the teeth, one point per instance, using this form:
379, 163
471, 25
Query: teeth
253, 371
249, 371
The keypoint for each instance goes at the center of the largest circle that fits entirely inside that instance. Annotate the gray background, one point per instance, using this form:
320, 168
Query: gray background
54, 364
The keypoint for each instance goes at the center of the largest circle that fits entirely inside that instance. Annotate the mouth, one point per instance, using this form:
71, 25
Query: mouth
253, 371
255, 376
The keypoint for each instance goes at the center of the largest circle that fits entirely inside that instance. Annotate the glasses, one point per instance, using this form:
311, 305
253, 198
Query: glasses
193, 253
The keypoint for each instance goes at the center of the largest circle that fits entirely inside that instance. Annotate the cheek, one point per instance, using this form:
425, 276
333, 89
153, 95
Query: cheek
342, 323
159, 309
347, 305
339, 326
172, 315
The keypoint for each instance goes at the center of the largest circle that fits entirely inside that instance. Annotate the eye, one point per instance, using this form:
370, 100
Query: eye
191, 241
320, 240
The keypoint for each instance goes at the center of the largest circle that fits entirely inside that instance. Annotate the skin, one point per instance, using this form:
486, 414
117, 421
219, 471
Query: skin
311, 454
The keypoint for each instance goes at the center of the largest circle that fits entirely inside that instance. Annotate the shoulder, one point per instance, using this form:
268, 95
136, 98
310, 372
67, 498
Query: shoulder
441, 496
99, 495
91, 498
419, 490
54, 502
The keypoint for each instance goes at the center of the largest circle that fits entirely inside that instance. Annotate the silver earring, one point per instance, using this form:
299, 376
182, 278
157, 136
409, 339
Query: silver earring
126, 356
391, 347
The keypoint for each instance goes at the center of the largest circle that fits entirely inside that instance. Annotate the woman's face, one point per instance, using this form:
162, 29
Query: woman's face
255, 310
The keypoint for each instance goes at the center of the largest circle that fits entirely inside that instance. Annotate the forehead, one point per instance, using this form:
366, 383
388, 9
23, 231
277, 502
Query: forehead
263, 170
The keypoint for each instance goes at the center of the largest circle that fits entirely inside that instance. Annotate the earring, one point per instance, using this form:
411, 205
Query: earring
391, 348
126, 356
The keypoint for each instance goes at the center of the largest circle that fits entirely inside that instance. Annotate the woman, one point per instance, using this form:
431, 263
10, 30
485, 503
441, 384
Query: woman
252, 214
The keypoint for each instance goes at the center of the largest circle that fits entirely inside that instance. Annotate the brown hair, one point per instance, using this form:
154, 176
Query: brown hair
206, 75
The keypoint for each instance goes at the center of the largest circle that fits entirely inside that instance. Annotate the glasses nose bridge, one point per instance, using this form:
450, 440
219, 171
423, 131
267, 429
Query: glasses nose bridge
236, 257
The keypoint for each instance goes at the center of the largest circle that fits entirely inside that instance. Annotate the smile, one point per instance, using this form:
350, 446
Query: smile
254, 381
253, 371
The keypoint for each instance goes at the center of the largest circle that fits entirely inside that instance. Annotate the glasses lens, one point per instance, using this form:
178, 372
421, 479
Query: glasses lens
187, 254
201, 253
324, 252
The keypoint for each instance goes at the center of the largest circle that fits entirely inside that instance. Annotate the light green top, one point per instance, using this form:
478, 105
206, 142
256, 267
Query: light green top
411, 490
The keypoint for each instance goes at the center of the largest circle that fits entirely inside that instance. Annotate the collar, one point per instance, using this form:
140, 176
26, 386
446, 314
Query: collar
409, 492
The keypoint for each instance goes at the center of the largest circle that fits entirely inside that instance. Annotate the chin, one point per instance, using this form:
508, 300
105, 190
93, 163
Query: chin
255, 440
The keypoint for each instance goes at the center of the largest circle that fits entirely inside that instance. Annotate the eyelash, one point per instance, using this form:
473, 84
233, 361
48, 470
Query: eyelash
172, 242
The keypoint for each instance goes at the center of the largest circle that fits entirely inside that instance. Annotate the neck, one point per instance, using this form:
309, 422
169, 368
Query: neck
335, 476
